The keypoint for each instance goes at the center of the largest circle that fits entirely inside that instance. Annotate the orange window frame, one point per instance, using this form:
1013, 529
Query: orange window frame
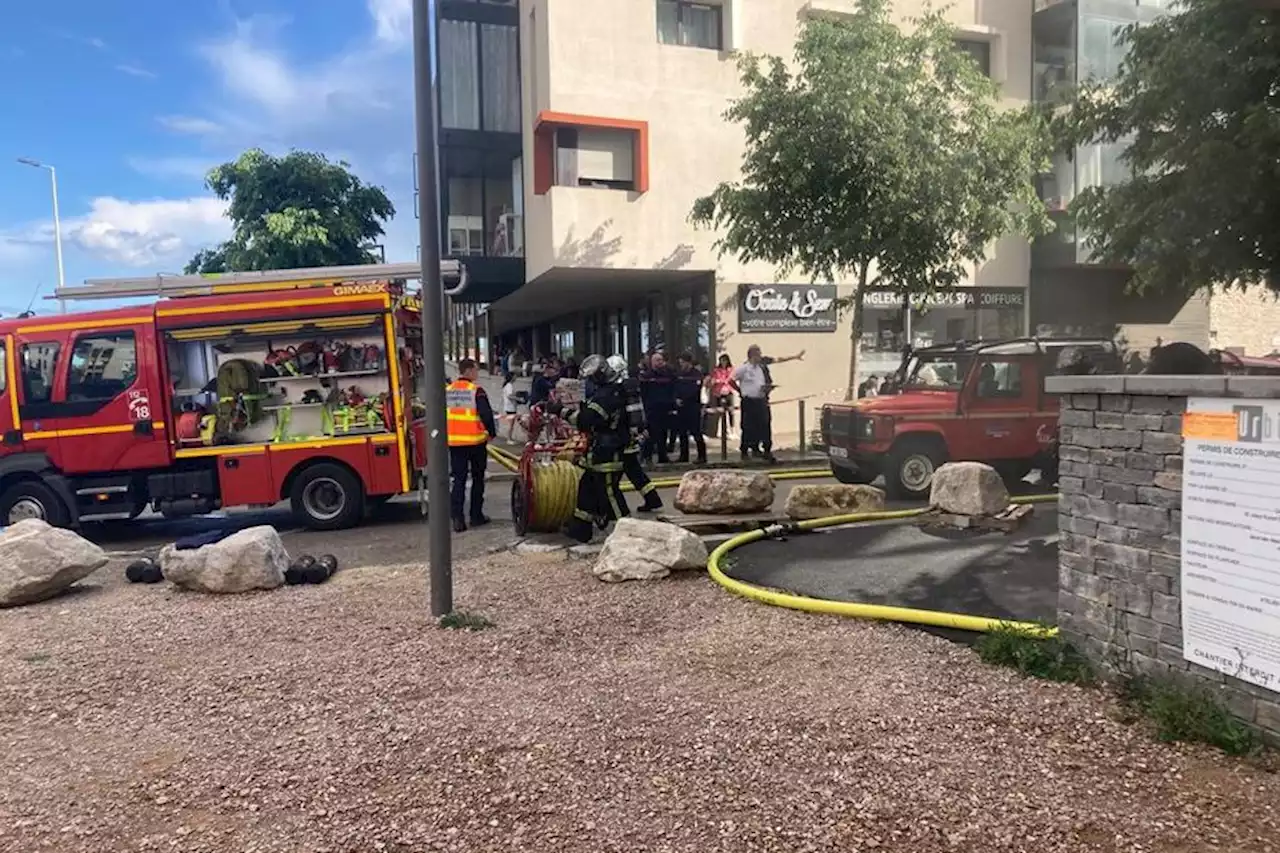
544, 145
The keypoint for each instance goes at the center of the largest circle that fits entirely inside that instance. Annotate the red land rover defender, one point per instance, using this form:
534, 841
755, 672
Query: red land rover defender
978, 401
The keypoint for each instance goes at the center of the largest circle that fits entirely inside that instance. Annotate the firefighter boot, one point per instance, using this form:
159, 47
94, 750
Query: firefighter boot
579, 530
652, 503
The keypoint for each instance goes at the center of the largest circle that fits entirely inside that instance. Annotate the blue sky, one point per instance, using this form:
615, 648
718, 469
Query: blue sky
133, 100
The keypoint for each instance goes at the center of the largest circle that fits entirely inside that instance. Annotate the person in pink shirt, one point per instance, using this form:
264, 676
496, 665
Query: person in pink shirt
720, 382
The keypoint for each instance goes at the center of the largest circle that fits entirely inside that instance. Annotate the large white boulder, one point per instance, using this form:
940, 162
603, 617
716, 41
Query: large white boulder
38, 561
968, 488
812, 500
251, 559
639, 550
724, 491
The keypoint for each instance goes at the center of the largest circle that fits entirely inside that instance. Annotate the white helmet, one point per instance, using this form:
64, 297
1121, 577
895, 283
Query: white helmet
617, 365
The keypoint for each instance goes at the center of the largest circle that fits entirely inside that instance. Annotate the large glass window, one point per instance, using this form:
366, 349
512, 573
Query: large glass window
501, 223
980, 51
1100, 51
459, 48
595, 157
39, 362
500, 78
103, 366
690, 24
1054, 52
466, 216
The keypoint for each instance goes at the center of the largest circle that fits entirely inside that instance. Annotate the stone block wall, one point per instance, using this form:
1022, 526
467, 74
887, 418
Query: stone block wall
1120, 482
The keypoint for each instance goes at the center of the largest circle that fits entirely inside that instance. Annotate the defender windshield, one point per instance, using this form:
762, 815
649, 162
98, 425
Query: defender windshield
941, 372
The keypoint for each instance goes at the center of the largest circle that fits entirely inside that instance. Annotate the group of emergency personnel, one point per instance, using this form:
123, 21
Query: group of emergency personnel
614, 415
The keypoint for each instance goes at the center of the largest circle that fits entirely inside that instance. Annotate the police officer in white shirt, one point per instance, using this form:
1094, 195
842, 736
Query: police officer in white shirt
753, 384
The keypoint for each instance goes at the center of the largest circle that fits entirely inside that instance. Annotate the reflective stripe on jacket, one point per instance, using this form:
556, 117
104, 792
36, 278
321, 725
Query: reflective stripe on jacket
465, 427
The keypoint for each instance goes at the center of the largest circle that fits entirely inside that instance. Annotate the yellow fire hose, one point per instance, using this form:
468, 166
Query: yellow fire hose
932, 618
556, 490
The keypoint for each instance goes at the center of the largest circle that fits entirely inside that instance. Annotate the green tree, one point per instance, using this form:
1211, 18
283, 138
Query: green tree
884, 157
299, 210
1196, 104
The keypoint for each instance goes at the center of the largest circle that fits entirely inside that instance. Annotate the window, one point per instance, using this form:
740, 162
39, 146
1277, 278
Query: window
103, 366
690, 24
39, 361
500, 78
4, 369
479, 76
979, 50
595, 157
466, 216
1000, 379
1100, 50
459, 60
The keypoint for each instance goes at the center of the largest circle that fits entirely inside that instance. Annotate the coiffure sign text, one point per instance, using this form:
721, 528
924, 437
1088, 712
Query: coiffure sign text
787, 308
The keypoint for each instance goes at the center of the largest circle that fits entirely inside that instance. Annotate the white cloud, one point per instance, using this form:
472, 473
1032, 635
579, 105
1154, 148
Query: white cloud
130, 233
190, 125
392, 20
144, 233
174, 167
135, 70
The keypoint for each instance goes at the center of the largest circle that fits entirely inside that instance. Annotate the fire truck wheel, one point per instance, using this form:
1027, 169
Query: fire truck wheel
327, 497
32, 499
909, 472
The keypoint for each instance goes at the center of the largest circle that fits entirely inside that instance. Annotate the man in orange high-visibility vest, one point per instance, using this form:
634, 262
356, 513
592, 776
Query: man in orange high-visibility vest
471, 425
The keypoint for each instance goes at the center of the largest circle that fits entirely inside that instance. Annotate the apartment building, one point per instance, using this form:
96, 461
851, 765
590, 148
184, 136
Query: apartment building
620, 129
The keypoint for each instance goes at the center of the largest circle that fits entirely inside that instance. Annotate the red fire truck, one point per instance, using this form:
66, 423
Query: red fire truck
237, 390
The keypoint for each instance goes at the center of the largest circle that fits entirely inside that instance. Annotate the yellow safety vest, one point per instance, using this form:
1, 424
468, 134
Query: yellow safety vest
465, 427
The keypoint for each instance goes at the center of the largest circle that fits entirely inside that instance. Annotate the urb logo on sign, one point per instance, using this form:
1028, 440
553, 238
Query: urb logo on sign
1253, 424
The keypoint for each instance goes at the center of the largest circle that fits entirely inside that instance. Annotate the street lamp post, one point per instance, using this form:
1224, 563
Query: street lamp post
439, 544
57, 222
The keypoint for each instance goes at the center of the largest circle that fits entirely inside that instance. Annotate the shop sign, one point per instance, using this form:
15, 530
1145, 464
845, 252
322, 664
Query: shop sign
961, 297
787, 308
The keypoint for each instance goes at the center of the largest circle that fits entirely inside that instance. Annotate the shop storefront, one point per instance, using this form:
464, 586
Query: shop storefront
965, 314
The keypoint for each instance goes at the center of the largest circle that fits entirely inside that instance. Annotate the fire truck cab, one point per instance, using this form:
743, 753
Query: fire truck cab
239, 390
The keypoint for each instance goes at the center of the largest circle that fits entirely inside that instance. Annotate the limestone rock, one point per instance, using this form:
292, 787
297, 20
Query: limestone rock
38, 561
724, 491
968, 488
250, 559
823, 501
648, 550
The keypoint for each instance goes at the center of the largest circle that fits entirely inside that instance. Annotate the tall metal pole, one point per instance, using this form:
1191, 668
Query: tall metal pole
439, 543
57, 238
57, 222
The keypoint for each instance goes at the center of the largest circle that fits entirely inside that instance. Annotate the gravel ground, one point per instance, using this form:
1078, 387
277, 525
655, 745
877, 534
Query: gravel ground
665, 717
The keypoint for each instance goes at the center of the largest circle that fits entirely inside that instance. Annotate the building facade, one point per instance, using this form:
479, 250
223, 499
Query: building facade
620, 130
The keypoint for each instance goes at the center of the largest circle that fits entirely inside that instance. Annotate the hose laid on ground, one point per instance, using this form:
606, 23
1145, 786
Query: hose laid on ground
889, 613
548, 492
511, 462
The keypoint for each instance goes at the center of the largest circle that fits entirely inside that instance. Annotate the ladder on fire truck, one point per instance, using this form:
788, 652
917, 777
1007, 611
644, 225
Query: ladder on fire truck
452, 273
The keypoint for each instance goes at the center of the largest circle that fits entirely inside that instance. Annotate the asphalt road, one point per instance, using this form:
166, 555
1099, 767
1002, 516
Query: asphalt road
1003, 576
1011, 577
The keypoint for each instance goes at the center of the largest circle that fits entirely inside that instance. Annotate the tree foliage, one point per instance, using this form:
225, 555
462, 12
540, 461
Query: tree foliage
1197, 102
299, 210
883, 157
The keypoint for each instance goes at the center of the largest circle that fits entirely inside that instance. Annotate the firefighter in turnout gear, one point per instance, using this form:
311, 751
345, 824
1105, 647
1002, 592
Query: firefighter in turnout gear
635, 421
603, 417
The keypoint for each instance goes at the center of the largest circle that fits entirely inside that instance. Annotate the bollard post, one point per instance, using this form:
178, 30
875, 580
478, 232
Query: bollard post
724, 434
804, 438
